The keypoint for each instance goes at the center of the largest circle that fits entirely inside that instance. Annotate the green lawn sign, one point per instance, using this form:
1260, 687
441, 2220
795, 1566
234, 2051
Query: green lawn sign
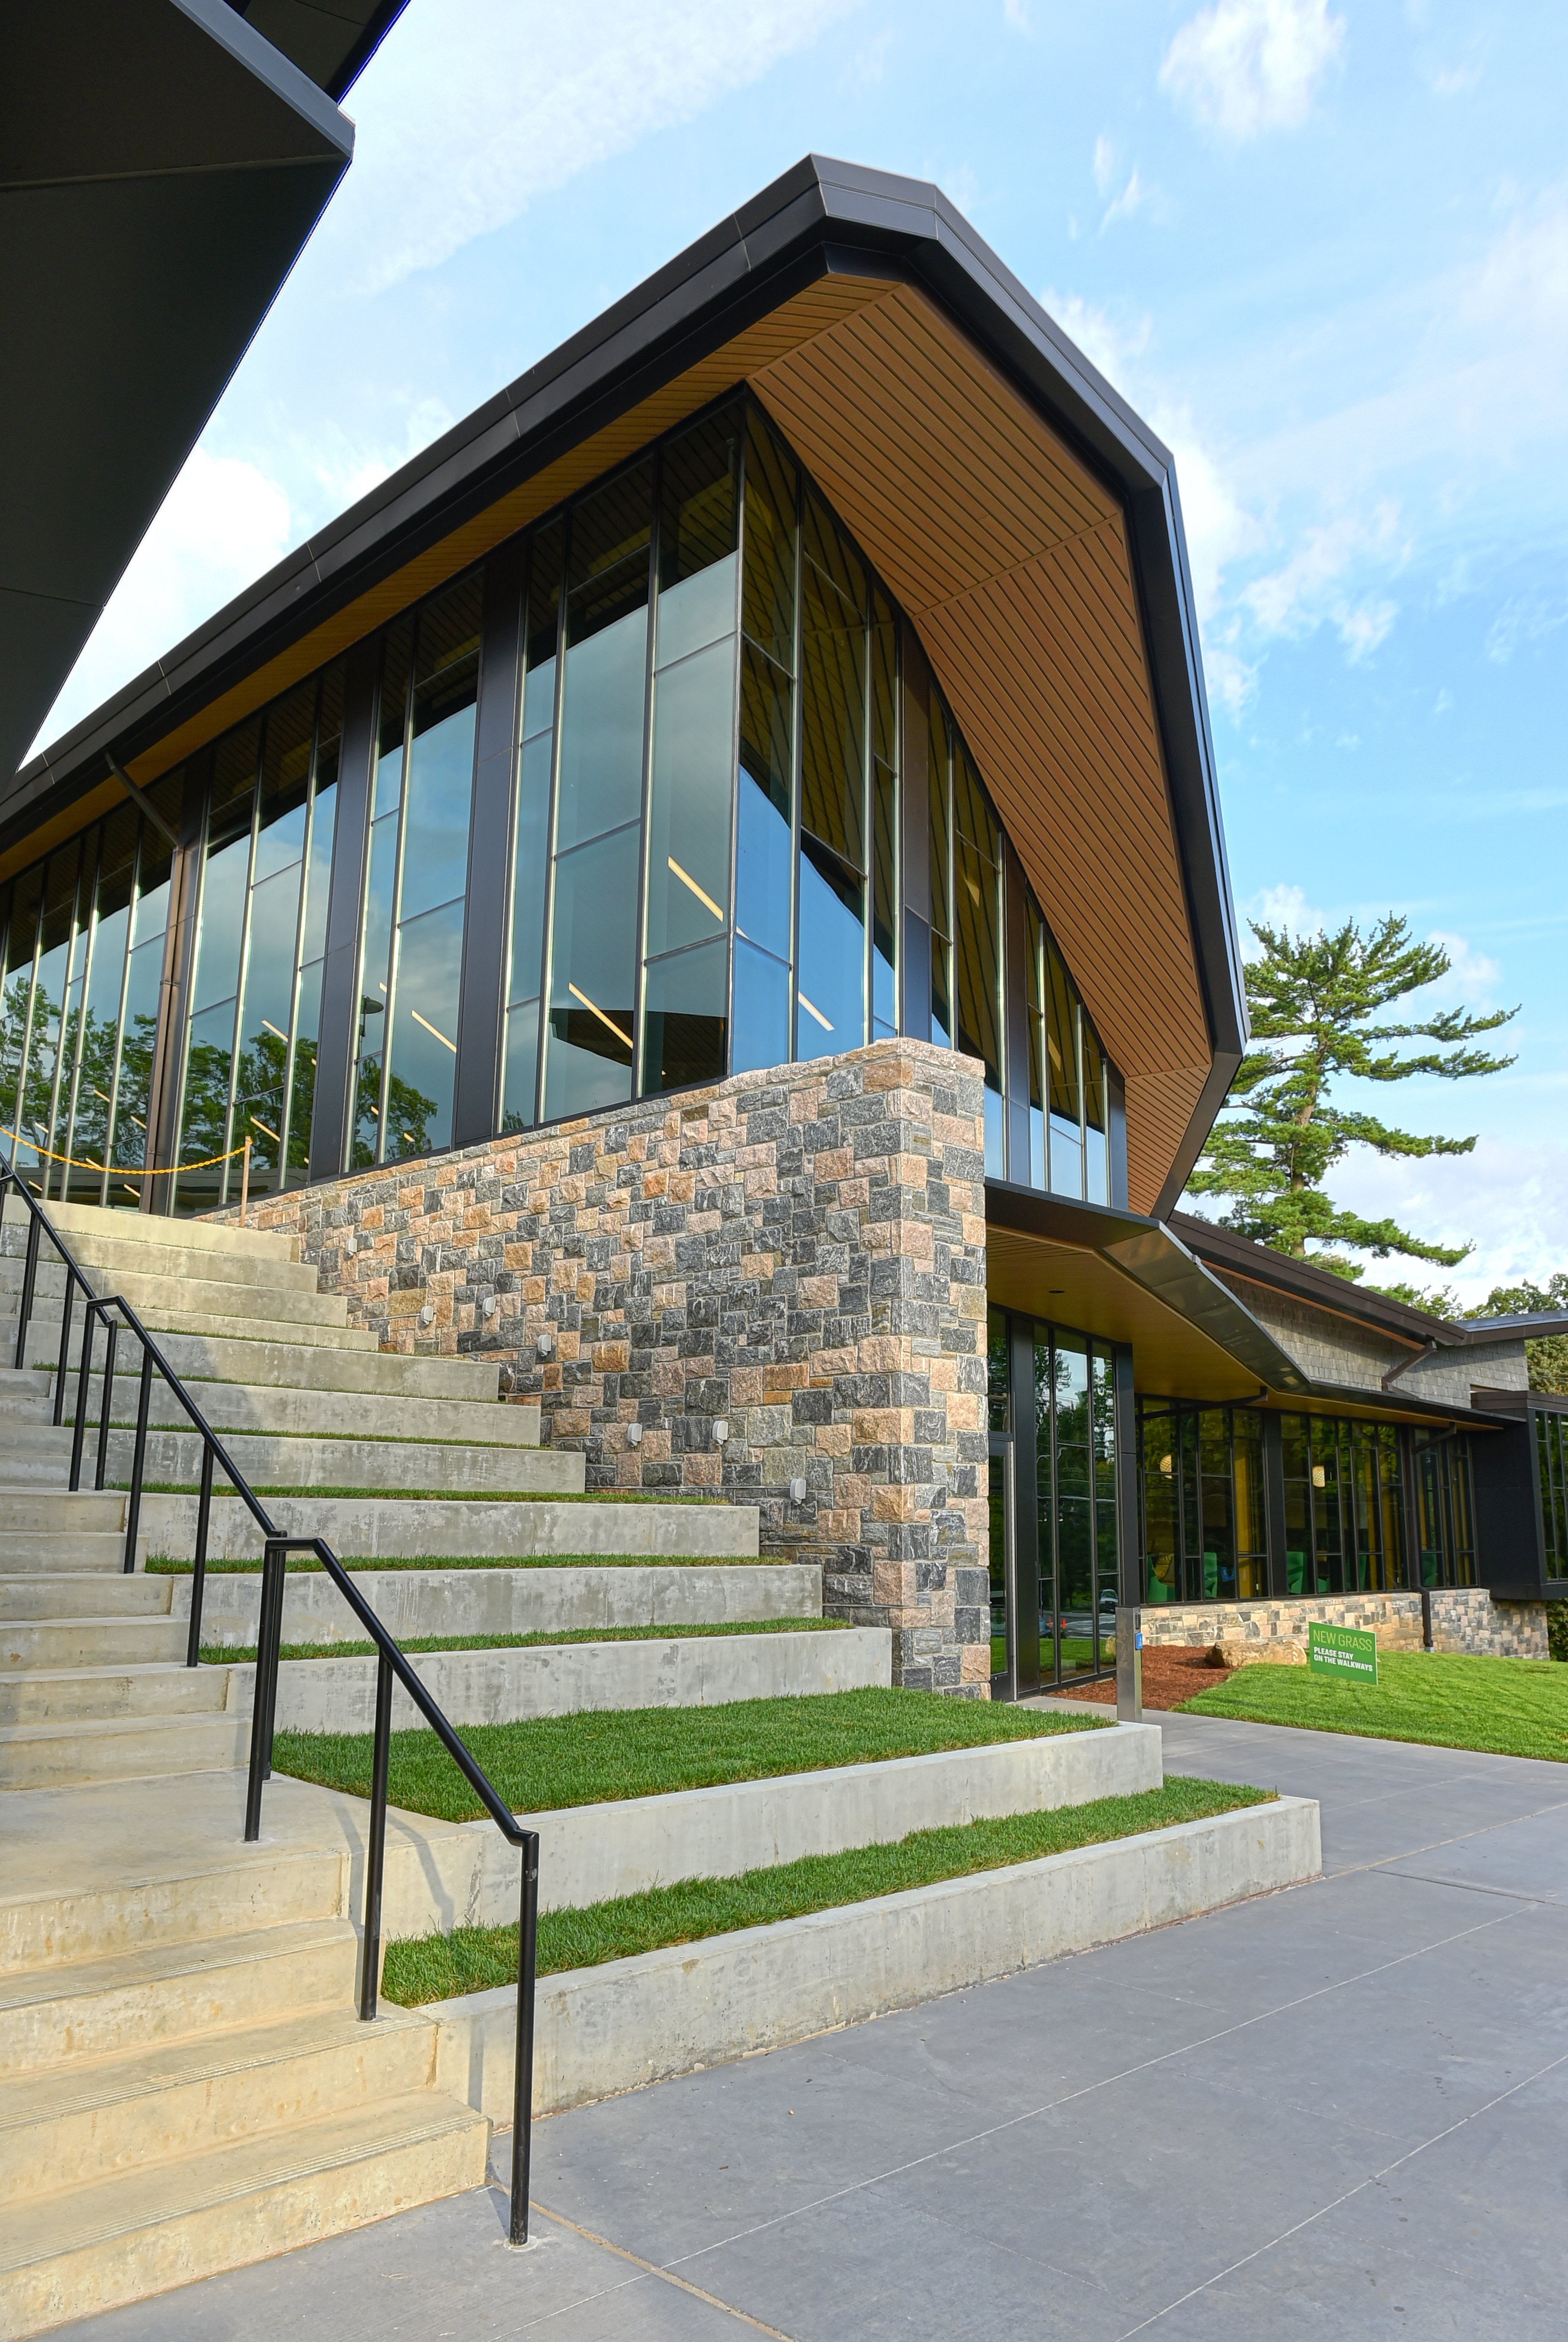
1348, 1652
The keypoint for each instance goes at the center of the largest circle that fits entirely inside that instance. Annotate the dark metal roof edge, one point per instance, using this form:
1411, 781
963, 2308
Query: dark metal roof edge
1320, 1285
286, 80
817, 203
377, 25
1537, 1325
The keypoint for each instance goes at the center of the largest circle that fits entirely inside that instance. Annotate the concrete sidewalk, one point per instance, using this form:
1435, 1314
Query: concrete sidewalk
1334, 2111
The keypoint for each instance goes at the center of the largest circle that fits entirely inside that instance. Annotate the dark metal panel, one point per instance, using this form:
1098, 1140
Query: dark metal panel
338, 1049
474, 1111
1024, 1561
1116, 1109
1129, 1585
1510, 1546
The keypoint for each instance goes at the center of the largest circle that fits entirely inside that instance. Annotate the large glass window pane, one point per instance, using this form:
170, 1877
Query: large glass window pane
1096, 1150
531, 833
1066, 1091
834, 648
95, 1078
885, 903
763, 847
601, 779
689, 799
1161, 1542
263, 1026
376, 947
302, 1088
51, 1001
832, 981
977, 899
204, 1128
318, 874
1252, 1535
769, 569
440, 783
684, 1027
1035, 963
391, 718
940, 855
519, 1069
220, 923
424, 1041
761, 1011
286, 781
21, 941
588, 1048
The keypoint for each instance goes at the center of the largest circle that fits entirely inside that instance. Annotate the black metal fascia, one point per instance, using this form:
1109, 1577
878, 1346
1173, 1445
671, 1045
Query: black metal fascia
819, 216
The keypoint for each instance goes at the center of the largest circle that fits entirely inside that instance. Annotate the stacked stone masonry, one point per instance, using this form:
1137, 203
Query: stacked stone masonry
1462, 1619
800, 1253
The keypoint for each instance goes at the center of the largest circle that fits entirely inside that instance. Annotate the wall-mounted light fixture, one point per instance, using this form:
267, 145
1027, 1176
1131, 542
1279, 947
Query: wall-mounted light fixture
492, 1302
427, 1314
634, 1434
721, 1430
797, 1492
543, 1345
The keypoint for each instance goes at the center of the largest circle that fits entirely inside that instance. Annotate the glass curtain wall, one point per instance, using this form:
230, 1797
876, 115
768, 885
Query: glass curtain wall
1552, 1481
1205, 1534
84, 952
254, 991
1063, 1431
417, 879
1345, 1506
1445, 1515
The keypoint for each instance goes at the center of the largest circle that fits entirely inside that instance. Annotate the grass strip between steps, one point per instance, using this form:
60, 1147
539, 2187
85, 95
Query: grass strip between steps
605, 1756
221, 1655
420, 1969
163, 1565
1448, 1700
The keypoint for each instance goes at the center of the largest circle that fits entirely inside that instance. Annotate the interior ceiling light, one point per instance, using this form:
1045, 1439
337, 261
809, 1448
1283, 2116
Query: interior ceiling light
430, 1028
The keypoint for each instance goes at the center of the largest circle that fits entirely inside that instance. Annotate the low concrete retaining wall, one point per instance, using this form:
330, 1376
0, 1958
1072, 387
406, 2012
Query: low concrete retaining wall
562, 1678
1463, 1618
415, 1602
467, 1876
614, 2027
408, 1527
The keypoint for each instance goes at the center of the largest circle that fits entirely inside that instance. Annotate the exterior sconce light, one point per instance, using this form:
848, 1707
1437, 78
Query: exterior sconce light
491, 1303
427, 1314
634, 1434
797, 1492
543, 1345
721, 1430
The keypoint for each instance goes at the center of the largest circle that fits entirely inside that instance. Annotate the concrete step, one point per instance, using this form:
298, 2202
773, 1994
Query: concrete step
49, 1551
56, 1643
405, 1527
63, 1754
85, 1220
172, 1991
78, 1596
56, 1695
177, 1308
76, 2128
136, 2235
210, 1887
59, 1513
289, 1364
416, 1602
453, 1469
318, 1414
106, 1260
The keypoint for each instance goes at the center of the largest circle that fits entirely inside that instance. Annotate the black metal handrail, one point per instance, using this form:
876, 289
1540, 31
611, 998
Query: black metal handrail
391, 1663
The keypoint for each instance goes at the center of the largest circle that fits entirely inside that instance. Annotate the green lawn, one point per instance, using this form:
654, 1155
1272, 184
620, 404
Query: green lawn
1518, 1707
218, 1654
440, 1967
162, 1565
599, 1757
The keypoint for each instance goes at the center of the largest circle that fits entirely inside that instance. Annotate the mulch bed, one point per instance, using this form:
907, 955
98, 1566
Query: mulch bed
1171, 1676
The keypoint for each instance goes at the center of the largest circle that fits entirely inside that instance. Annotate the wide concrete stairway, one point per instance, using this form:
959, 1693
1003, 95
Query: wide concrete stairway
187, 2086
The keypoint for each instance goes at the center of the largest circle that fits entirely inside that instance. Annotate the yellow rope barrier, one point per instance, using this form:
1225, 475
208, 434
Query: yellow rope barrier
124, 1171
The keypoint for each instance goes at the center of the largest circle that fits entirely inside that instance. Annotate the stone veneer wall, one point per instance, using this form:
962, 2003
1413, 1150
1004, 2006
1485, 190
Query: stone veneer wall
1463, 1618
800, 1251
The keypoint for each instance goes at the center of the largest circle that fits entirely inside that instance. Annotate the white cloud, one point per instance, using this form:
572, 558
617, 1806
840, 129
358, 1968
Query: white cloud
1282, 907
1135, 196
1244, 66
1509, 1199
1015, 13
479, 105
1473, 979
1311, 589
1105, 164
223, 525
1522, 621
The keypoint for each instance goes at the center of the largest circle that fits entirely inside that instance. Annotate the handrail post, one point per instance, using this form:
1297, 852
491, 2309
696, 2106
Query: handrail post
273, 1561
523, 2071
199, 1559
110, 1346
138, 1459
84, 1379
375, 1850
66, 1307
29, 1272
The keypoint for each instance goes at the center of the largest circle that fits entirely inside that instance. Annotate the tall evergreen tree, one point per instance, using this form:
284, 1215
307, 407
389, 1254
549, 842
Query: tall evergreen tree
1315, 1003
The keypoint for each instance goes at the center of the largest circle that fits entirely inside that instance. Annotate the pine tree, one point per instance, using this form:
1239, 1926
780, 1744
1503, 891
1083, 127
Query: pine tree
1314, 1003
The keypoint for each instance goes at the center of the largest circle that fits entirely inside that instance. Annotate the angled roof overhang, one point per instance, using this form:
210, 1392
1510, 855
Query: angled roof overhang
1023, 514
1127, 1278
162, 167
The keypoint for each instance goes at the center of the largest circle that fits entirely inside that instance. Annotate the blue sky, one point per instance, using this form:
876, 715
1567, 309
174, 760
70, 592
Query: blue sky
1323, 245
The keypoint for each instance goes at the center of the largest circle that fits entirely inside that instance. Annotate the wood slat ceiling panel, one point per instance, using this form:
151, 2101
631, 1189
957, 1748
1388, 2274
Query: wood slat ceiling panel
1012, 559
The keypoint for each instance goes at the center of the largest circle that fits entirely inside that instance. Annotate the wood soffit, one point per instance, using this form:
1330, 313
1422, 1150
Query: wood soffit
1019, 580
